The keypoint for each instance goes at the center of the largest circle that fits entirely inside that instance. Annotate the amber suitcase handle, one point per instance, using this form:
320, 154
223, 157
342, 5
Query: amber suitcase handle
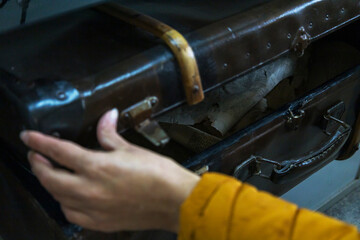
289, 170
173, 39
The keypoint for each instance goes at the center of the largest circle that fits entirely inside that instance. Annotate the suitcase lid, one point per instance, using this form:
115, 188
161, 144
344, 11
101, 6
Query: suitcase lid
88, 62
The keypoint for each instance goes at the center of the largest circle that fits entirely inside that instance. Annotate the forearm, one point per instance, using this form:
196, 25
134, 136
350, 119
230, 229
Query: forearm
223, 208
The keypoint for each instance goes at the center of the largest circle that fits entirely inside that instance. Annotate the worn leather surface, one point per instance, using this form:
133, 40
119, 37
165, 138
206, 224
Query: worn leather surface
186, 16
87, 57
111, 64
273, 138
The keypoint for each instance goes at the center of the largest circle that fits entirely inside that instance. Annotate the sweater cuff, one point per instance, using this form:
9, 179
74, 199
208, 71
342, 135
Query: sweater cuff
194, 207
221, 207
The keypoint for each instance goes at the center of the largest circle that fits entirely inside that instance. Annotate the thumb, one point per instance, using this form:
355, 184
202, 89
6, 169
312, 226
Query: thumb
107, 134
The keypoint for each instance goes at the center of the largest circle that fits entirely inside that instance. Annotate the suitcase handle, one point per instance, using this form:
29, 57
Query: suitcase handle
292, 169
174, 40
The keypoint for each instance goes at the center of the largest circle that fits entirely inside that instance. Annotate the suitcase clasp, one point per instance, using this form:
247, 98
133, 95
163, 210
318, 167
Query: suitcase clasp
139, 117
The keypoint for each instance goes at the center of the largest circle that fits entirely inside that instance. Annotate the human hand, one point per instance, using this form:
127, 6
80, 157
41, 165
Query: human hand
123, 188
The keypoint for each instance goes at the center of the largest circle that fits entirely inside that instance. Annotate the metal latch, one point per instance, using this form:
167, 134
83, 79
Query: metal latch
139, 117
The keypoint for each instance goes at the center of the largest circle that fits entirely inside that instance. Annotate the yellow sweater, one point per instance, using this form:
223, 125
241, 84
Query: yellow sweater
222, 208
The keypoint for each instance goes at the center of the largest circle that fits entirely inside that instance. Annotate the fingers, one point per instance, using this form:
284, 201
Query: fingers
65, 153
107, 134
56, 181
79, 218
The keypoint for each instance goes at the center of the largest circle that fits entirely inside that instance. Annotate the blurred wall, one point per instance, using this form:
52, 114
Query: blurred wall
10, 14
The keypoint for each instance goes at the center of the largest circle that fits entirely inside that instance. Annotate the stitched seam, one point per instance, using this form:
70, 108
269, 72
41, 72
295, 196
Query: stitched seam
232, 211
216, 189
192, 235
292, 229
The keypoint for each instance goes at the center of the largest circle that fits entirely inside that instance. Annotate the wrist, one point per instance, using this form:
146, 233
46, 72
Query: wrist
182, 185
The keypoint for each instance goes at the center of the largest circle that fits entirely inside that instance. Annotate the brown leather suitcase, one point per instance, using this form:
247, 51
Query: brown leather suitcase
285, 147
300, 59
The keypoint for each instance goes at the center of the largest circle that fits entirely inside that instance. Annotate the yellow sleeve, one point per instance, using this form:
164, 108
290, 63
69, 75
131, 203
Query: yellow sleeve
222, 208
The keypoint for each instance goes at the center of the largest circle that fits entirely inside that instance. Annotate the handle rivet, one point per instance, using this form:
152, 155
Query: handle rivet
61, 95
196, 89
154, 101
